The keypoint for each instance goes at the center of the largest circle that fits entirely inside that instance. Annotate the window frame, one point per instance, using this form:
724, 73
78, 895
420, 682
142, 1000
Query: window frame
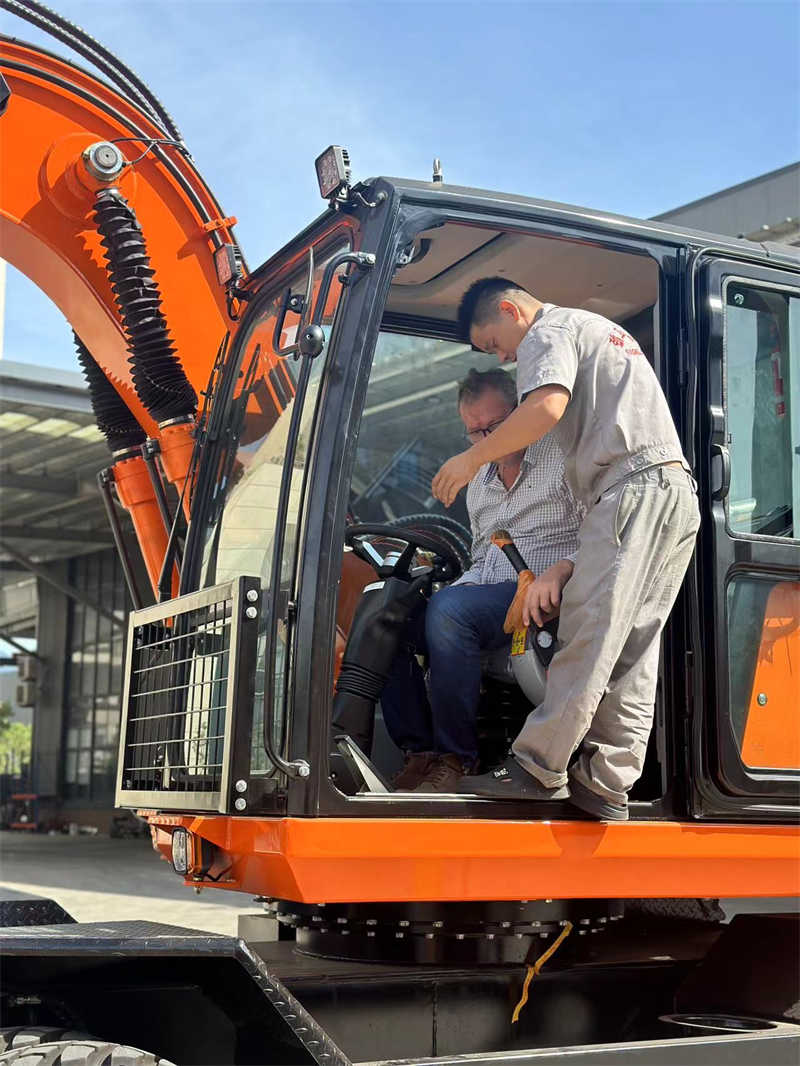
744, 279
343, 418
723, 786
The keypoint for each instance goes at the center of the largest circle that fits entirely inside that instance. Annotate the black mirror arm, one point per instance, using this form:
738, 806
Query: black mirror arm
302, 306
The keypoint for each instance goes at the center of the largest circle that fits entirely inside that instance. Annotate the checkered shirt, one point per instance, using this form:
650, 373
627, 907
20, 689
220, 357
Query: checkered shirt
539, 511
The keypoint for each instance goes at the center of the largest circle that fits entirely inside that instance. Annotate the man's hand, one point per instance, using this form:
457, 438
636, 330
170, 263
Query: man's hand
543, 596
453, 476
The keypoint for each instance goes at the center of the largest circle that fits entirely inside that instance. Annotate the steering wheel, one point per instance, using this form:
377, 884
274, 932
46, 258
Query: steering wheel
447, 564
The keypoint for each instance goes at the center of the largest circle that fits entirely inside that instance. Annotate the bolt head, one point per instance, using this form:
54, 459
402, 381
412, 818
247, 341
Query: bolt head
303, 770
241, 786
240, 804
251, 612
104, 161
252, 595
762, 699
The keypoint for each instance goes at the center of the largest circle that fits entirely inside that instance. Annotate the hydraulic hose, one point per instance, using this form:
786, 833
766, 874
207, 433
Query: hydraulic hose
49, 21
158, 377
129, 473
113, 416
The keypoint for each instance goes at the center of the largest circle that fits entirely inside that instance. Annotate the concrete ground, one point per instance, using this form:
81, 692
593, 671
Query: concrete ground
102, 879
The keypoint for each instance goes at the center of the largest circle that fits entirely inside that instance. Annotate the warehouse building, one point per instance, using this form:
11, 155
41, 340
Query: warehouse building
63, 600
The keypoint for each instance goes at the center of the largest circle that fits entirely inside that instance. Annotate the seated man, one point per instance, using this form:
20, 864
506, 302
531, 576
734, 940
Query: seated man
525, 493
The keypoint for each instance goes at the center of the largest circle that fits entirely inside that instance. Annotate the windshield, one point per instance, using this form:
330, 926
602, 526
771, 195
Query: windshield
410, 426
239, 541
242, 531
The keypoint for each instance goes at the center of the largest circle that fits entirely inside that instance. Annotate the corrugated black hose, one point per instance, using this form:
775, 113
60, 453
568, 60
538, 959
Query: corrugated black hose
158, 376
113, 416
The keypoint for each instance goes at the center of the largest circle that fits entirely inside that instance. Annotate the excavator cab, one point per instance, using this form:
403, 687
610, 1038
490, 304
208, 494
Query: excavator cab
328, 507
314, 539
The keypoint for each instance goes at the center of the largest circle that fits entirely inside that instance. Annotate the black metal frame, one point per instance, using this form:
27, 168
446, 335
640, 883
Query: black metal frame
309, 351
337, 435
723, 786
216, 998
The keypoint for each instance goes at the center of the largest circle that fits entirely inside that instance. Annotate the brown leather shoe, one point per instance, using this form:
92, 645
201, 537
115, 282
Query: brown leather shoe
444, 774
413, 771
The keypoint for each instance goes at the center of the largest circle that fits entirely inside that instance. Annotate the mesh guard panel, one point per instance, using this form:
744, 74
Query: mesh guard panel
187, 704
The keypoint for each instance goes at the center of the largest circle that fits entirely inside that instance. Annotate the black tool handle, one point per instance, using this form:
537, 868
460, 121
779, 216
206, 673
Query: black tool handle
504, 542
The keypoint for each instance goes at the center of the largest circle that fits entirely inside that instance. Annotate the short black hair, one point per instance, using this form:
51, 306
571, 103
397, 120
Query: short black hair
477, 382
481, 301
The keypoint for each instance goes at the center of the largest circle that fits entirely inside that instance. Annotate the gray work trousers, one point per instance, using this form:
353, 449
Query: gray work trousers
634, 547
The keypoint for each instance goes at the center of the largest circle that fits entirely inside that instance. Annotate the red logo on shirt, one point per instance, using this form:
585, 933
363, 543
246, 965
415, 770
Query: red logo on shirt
619, 338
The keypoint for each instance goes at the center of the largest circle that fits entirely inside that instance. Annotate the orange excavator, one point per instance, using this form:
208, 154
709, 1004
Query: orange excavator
273, 434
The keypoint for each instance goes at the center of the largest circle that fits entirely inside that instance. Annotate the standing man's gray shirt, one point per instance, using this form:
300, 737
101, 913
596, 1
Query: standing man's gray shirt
617, 421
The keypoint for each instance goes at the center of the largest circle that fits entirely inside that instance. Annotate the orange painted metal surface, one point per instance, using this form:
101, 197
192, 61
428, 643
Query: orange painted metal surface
47, 230
772, 729
329, 860
177, 445
135, 492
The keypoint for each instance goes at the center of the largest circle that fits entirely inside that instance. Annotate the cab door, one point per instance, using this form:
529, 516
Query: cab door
745, 723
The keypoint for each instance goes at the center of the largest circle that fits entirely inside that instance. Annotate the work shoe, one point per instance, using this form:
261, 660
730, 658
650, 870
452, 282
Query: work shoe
444, 775
413, 771
588, 804
510, 781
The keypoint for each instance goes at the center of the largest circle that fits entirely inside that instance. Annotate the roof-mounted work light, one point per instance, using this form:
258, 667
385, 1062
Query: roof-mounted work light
333, 172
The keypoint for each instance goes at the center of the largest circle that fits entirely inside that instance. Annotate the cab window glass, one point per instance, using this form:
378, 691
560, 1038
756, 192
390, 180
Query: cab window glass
762, 364
410, 426
242, 532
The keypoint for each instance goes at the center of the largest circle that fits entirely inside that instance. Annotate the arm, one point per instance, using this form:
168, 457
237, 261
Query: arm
535, 416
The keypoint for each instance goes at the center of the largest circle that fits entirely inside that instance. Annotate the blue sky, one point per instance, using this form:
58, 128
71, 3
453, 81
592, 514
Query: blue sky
628, 107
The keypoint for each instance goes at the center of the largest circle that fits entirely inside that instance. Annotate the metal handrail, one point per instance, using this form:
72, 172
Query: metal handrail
296, 767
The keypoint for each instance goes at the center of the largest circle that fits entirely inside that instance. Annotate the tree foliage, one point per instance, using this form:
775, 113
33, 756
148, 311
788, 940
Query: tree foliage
15, 741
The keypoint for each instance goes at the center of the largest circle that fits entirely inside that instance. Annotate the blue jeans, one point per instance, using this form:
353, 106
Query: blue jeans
460, 622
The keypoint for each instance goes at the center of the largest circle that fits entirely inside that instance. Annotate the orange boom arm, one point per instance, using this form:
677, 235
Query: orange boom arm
102, 208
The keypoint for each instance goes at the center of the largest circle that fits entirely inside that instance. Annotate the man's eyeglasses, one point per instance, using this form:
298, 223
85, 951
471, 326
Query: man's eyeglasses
474, 435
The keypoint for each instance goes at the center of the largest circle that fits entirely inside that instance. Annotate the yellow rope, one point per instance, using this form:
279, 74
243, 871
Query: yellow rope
536, 968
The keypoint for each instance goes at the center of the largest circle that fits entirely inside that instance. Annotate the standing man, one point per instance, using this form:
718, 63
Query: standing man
586, 379
525, 492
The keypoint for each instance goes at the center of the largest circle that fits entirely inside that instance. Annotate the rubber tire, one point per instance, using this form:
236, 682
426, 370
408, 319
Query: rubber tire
29, 1035
79, 1052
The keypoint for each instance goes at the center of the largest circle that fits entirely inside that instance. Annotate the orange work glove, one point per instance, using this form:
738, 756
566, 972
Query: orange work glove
514, 615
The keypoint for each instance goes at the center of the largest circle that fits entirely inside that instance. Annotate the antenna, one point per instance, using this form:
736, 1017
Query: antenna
438, 177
